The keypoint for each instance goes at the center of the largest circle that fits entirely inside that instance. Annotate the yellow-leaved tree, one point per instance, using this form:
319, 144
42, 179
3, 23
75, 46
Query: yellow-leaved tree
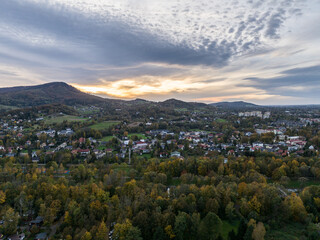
102, 233
295, 208
2, 197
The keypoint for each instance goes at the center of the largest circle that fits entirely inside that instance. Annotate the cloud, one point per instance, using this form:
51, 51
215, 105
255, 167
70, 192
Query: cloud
59, 31
7, 73
107, 40
197, 48
292, 82
313, 70
274, 24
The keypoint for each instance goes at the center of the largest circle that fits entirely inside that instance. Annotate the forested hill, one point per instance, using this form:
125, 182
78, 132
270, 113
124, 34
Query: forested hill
56, 92
174, 103
237, 104
62, 93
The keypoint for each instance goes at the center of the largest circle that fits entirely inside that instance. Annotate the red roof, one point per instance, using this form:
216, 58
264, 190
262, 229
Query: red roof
83, 150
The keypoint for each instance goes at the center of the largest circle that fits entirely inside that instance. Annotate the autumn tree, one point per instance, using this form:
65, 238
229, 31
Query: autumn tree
186, 226
86, 236
2, 197
126, 231
11, 219
102, 233
210, 227
295, 208
258, 232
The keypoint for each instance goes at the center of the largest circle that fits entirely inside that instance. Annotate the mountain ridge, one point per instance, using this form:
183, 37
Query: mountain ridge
48, 93
235, 104
63, 93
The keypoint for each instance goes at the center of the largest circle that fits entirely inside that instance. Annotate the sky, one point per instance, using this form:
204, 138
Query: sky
261, 51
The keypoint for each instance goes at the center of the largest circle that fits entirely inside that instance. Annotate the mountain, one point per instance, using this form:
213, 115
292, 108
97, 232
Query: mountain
174, 103
139, 101
237, 104
56, 92
62, 93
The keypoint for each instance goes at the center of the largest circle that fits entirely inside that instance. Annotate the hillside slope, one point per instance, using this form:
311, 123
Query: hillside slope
56, 92
237, 104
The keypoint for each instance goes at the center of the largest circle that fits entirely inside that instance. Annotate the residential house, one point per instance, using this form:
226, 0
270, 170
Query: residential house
82, 140
17, 237
141, 145
99, 154
175, 154
34, 157
67, 132
84, 152
38, 221
41, 236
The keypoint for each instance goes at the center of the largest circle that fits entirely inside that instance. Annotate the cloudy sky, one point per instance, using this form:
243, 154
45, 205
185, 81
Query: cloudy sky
261, 51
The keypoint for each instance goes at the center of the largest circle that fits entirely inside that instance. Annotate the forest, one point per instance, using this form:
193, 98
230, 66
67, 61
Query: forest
194, 198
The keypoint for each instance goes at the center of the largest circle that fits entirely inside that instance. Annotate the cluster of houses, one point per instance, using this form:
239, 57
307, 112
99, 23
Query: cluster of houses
27, 225
258, 114
206, 140
307, 121
282, 144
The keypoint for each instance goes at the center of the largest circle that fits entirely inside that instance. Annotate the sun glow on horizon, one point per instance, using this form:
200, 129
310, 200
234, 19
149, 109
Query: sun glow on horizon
149, 87
132, 88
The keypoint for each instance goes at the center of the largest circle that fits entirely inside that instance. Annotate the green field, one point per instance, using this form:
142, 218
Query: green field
288, 232
219, 120
181, 109
60, 119
139, 135
32, 128
297, 184
146, 155
104, 125
5, 107
102, 148
122, 167
107, 138
199, 130
227, 227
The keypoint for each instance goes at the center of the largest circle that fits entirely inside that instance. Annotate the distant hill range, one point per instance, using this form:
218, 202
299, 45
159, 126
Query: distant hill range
174, 103
237, 104
63, 93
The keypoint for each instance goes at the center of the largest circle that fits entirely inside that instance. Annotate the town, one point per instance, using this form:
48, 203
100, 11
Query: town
37, 145
90, 171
